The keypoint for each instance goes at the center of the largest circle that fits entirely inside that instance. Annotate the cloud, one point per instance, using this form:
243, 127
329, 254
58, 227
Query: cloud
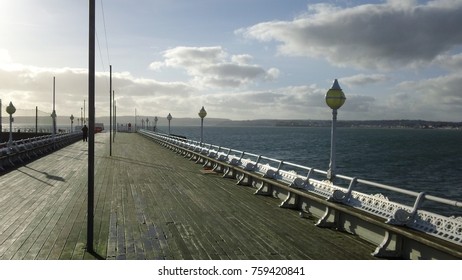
302, 102
212, 67
241, 58
4, 56
436, 98
28, 87
371, 36
272, 74
451, 62
441, 92
156, 65
189, 57
364, 79
362, 104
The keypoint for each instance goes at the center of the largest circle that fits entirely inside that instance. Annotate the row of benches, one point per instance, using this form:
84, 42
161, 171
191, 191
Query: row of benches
22, 151
373, 217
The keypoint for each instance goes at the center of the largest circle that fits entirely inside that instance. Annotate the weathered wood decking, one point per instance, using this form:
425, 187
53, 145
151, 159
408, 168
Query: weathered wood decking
151, 203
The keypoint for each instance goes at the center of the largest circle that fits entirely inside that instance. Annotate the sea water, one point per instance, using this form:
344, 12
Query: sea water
421, 160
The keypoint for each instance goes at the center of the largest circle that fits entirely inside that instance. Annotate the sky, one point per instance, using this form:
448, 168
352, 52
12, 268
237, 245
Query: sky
240, 59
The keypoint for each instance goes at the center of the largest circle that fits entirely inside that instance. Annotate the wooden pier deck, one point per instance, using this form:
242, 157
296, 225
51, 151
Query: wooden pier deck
151, 203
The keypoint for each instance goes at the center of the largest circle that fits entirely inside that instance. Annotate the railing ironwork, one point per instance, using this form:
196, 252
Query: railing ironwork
347, 192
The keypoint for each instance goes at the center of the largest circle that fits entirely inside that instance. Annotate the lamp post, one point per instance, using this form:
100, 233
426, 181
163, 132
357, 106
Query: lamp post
202, 114
72, 122
155, 123
147, 124
1, 128
169, 118
53, 116
335, 98
10, 109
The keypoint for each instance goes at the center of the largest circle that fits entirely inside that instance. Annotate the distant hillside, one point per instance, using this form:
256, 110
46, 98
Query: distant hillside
293, 123
164, 122
28, 121
344, 123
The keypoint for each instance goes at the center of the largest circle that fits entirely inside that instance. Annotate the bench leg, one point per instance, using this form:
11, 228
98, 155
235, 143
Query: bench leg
263, 188
207, 164
229, 173
324, 221
200, 160
388, 248
243, 179
218, 168
292, 201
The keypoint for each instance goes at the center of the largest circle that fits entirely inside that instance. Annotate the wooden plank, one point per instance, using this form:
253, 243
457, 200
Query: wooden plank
151, 203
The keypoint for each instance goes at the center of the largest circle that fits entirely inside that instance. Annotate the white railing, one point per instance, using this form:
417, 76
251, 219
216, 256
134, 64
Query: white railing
30, 148
312, 180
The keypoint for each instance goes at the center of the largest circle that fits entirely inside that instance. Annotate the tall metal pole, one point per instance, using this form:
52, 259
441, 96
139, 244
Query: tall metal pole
115, 118
331, 171
10, 109
53, 114
91, 128
169, 118
202, 114
1, 127
72, 122
110, 110
202, 130
155, 123
36, 120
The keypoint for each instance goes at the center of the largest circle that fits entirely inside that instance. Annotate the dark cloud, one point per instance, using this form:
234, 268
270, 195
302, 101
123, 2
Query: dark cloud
368, 36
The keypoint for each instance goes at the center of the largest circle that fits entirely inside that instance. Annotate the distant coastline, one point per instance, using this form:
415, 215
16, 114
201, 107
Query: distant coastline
419, 124
21, 121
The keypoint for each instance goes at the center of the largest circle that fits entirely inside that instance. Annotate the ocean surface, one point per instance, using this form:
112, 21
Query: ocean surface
427, 160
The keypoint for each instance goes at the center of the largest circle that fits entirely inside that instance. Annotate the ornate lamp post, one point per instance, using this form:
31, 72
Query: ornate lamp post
155, 123
202, 114
335, 98
169, 118
72, 122
10, 109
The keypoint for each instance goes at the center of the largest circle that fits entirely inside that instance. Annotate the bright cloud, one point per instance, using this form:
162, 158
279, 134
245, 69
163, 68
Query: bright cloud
214, 67
390, 35
4, 56
28, 86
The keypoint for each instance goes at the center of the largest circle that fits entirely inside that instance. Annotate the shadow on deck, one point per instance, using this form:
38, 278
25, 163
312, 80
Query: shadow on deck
151, 204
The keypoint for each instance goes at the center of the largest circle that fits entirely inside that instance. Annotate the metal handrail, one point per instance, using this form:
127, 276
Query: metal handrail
414, 194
